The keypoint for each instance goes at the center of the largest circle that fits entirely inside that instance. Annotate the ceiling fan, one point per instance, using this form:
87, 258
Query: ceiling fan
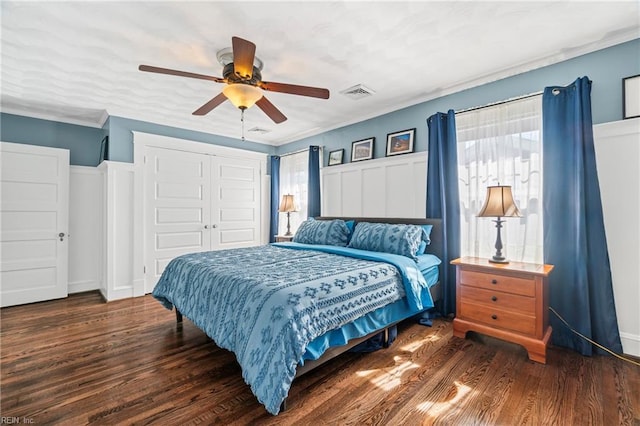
244, 84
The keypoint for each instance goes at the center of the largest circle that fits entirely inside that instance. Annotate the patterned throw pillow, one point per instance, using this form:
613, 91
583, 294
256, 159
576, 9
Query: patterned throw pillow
388, 238
328, 232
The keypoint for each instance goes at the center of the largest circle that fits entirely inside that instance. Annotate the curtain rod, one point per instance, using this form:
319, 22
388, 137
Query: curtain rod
294, 152
530, 95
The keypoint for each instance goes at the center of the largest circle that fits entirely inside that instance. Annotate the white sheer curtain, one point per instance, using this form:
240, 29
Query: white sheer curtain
501, 144
294, 170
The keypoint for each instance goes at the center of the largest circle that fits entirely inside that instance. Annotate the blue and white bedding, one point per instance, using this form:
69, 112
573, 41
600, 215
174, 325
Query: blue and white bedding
376, 320
267, 303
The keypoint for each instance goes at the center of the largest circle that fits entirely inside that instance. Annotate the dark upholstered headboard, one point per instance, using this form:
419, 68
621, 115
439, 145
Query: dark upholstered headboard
437, 237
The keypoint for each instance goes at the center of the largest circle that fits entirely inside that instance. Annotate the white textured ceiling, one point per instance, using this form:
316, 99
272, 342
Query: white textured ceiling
78, 61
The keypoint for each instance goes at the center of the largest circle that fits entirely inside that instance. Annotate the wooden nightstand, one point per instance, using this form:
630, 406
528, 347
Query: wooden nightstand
283, 238
508, 301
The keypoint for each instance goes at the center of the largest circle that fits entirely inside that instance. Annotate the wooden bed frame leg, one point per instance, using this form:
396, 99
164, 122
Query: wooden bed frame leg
178, 316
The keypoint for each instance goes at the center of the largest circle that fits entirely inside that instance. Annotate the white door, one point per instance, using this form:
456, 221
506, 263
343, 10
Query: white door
177, 191
197, 202
34, 211
235, 203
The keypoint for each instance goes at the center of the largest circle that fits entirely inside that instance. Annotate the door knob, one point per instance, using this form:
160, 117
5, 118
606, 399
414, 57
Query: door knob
61, 236
206, 227
214, 226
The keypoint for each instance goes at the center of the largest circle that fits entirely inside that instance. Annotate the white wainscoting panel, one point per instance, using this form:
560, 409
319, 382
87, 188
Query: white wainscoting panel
86, 237
384, 187
118, 271
265, 217
617, 146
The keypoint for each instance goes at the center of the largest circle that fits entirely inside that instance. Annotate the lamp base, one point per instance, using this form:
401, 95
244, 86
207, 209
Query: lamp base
288, 233
498, 257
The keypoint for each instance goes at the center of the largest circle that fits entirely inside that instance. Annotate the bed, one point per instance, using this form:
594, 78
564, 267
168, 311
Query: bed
286, 308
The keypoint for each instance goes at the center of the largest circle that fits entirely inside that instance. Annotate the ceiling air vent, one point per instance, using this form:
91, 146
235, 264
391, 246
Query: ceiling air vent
259, 130
358, 91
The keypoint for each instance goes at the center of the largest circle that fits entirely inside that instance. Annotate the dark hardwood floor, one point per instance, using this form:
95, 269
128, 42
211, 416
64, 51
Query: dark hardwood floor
82, 361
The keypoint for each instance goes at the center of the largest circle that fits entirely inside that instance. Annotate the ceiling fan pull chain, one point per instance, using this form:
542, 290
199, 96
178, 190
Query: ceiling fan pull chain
242, 121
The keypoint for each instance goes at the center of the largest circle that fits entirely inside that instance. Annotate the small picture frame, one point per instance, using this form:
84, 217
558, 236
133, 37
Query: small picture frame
362, 150
335, 157
631, 97
400, 142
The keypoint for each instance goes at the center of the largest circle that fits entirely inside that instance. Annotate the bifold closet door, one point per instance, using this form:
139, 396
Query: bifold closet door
197, 202
177, 190
235, 203
34, 183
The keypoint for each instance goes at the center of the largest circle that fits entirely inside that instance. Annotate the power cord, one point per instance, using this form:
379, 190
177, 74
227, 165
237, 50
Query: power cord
591, 341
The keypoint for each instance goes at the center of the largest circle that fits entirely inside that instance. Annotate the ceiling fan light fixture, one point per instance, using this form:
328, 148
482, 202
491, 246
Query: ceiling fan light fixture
242, 95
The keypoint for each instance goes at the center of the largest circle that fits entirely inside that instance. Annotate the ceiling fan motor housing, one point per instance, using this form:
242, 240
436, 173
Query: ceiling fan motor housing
229, 74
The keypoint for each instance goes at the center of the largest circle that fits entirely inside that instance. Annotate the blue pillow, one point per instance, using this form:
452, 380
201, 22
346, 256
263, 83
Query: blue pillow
328, 232
388, 238
426, 240
350, 225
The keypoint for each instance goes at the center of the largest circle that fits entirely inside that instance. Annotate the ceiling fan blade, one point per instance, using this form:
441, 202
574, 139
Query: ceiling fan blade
204, 109
159, 70
271, 110
314, 92
243, 54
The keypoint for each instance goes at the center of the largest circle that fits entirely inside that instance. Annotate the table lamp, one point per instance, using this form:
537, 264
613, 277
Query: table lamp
499, 203
287, 206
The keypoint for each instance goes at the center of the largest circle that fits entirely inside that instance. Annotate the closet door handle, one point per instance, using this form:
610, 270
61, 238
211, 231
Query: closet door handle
206, 227
214, 226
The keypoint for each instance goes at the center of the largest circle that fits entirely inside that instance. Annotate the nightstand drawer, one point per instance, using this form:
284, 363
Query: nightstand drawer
506, 283
498, 318
499, 300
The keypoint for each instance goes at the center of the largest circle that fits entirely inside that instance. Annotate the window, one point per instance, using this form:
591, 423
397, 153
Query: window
294, 170
501, 144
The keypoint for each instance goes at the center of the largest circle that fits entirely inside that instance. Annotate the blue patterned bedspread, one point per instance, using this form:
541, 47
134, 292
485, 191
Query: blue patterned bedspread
267, 303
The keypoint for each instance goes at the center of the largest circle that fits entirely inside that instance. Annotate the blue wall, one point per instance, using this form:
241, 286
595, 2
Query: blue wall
606, 68
121, 138
85, 142
82, 142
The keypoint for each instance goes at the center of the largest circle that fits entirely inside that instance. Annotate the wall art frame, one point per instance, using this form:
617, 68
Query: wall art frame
362, 149
631, 97
400, 142
335, 157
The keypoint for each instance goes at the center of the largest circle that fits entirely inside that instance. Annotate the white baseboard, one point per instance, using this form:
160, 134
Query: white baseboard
630, 344
117, 292
82, 286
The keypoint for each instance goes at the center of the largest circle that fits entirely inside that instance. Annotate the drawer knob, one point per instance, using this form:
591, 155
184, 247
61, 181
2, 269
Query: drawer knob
494, 281
494, 316
494, 298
